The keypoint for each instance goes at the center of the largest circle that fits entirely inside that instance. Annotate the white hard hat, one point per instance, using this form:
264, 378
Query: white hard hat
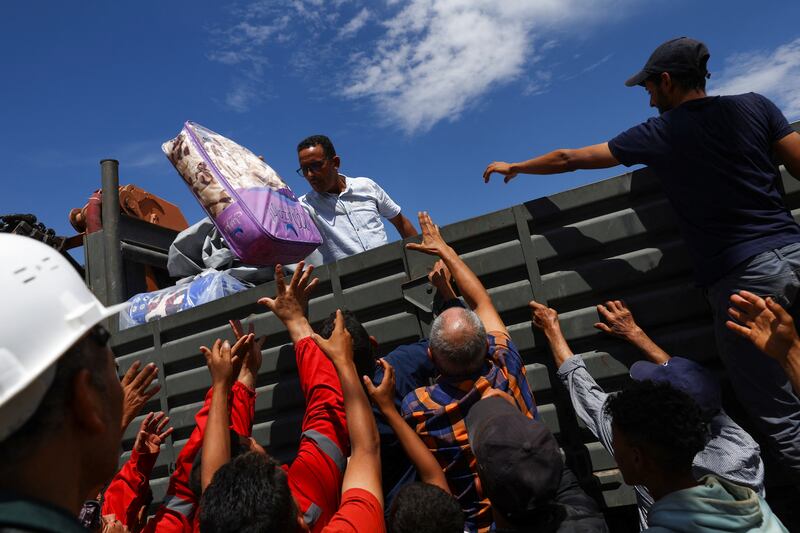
46, 308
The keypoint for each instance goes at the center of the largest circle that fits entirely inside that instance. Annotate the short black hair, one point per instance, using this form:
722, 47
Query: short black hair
686, 81
665, 421
363, 350
248, 494
423, 508
321, 140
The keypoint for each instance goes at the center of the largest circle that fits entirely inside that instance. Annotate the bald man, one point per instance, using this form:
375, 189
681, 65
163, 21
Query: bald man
473, 353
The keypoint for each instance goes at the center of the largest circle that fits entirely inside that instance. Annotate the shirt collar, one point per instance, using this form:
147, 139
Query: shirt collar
347, 189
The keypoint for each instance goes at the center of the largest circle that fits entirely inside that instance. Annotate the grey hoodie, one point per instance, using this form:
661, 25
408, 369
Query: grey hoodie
714, 505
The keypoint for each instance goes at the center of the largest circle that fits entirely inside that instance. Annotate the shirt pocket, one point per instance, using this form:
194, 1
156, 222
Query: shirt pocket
364, 212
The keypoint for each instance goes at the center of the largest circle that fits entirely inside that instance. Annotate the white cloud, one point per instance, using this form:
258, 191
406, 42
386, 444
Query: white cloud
598, 63
355, 24
775, 74
431, 61
440, 56
241, 96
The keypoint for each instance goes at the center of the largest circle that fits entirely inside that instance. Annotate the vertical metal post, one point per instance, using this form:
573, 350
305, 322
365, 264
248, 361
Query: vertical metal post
109, 172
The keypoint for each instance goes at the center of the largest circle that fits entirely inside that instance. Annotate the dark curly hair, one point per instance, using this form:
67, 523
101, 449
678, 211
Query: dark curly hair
321, 140
424, 508
363, 350
248, 494
665, 421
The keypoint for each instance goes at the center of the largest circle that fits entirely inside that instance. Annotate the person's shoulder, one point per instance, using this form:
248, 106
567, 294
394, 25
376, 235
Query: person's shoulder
361, 184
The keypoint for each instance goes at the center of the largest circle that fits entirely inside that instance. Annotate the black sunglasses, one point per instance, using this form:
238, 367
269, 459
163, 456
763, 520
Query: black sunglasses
313, 167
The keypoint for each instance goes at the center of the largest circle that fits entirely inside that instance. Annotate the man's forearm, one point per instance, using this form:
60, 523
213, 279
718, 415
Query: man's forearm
406, 228
555, 162
298, 328
650, 349
216, 440
423, 460
558, 345
360, 420
468, 283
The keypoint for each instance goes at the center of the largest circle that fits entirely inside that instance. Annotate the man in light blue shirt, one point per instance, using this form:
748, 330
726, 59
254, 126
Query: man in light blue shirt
730, 453
347, 211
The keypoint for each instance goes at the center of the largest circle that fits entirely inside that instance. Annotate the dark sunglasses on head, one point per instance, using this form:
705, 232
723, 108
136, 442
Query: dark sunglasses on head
313, 167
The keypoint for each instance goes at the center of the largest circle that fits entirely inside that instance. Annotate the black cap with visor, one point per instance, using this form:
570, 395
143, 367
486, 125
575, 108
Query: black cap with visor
677, 56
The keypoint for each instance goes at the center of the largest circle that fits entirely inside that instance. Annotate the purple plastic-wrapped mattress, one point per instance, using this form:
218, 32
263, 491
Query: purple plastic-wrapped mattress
255, 211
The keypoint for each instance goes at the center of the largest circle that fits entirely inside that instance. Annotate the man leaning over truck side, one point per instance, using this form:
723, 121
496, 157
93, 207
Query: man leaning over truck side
714, 158
347, 210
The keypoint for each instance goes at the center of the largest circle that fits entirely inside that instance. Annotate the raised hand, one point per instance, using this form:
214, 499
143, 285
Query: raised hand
112, 525
501, 168
432, 241
151, 433
339, 347
618, 320
764, 323
135, 390
225, 362
292, 300
253, 358
382, 395
543, 317
440, 278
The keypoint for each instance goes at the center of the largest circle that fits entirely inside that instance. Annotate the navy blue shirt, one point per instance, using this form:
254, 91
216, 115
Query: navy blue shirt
412, 368
713, 156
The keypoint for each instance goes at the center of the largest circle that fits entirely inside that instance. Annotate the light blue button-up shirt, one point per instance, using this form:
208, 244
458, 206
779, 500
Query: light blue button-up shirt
351, 221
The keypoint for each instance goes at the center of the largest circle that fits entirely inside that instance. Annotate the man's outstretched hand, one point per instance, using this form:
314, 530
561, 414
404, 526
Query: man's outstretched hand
618, 320
224, 362
765, 323
253, 358
432, 241
382, 395
339, 347
291, 302
501, 168
135, 390
441, 279
543, 317
152, 433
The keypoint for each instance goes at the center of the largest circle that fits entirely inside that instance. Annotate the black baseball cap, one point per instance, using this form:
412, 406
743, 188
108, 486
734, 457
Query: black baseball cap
519, 462
685, 375
677, 56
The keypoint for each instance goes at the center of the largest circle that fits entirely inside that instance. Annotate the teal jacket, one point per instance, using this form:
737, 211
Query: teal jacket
714, 505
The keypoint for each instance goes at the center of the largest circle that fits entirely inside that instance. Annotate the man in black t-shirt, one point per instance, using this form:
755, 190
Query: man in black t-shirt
715, 158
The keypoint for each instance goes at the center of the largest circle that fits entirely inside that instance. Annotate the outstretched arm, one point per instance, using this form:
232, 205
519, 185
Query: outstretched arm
546, 319
364, 469
619, 322
556, 162
770, 328
404, 226
224, 365
468, 283
383, 397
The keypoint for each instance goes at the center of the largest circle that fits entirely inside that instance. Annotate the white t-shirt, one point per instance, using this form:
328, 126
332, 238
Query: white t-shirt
349, 222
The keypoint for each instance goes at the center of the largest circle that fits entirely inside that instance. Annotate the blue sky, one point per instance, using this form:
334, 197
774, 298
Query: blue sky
420, 95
